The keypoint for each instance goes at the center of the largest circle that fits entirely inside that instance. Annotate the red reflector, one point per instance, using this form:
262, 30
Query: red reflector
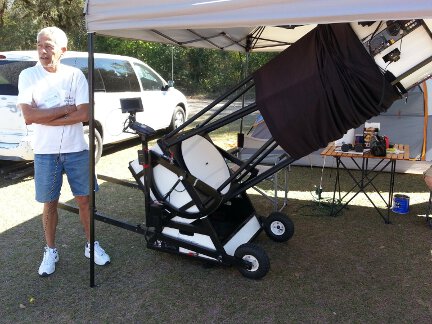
2, 57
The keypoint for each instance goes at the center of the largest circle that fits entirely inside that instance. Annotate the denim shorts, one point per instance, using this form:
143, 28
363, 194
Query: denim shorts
49, 170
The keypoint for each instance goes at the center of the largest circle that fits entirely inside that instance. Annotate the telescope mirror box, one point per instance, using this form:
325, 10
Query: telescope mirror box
131, 105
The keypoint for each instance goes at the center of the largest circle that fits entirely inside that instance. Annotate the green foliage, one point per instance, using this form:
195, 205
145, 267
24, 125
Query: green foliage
22, 19
194, 70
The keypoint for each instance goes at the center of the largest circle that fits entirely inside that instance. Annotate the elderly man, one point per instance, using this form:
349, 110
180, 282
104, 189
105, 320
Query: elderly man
54, 98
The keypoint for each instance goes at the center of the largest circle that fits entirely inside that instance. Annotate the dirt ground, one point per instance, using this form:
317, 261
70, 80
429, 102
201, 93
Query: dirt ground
352, 268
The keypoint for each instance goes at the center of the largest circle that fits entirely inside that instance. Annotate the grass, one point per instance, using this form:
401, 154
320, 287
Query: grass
352, 268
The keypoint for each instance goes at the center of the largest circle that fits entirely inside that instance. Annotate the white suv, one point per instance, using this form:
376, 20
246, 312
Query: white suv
115, 76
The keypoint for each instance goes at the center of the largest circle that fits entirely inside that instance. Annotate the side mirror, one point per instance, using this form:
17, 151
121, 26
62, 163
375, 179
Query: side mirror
170, 84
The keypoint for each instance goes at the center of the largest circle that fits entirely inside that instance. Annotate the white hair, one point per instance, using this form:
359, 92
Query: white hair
56, 34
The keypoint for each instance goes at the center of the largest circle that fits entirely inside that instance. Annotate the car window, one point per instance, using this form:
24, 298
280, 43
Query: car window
9, 73
110, 75
149, 80
117, 75
82, 63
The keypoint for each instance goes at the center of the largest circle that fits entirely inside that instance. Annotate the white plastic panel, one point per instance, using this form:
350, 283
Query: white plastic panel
205, 162
244, 235
198, 239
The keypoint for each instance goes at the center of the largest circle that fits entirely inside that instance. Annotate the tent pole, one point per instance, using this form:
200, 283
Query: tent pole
240, 135
172, 63
246, 72
425, 121
92, 207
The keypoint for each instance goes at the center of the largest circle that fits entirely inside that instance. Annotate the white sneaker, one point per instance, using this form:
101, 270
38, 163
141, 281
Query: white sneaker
50, 258
100, 256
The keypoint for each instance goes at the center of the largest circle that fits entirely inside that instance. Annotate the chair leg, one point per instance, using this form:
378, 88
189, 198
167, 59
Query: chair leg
276, 187
286, 174
285, 189
428, 218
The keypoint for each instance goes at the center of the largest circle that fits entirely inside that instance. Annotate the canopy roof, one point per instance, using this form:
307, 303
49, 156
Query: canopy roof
237, 25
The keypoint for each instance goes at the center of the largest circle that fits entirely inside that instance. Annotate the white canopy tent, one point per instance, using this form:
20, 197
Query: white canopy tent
237, 25
253, 25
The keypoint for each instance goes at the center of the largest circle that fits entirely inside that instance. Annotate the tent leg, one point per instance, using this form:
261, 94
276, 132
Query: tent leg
92, 207
245, 72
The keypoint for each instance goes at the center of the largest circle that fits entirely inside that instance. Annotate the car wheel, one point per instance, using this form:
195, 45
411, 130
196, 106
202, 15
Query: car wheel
178, 118
98, 142
258, 259
279, 227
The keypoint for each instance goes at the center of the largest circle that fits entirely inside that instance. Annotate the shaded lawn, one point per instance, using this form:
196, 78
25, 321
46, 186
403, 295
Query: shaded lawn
352, 268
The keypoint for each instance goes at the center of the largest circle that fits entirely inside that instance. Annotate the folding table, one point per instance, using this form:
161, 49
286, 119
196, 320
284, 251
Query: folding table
370, 168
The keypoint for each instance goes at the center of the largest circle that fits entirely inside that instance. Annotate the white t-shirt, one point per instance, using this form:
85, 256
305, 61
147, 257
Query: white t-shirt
67, 86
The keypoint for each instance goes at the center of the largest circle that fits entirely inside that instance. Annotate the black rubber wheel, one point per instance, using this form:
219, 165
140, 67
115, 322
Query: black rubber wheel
279, 227
178, 117
98, 143
429, 222
260, 263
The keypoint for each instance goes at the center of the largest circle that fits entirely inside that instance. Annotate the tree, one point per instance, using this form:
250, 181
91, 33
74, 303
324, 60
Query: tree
22, 19
3, 5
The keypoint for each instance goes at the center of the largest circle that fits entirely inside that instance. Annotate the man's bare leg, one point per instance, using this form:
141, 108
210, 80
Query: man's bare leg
84, 212
49, 222
100, 256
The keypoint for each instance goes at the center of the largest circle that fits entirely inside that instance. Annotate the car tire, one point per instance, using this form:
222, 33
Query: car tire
98, 142
178, 117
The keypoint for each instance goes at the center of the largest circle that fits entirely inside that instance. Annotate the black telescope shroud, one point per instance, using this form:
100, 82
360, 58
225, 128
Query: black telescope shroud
321, 86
